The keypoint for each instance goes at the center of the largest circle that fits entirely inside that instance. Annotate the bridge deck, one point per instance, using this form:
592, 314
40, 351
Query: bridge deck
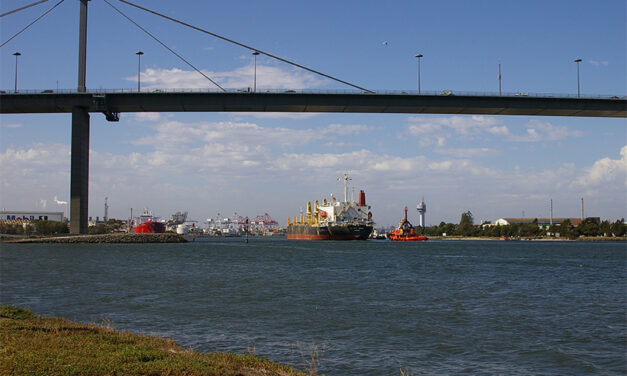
118, 102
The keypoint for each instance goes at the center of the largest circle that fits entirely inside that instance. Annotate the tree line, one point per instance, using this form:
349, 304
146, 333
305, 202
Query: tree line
466, 227
40, 227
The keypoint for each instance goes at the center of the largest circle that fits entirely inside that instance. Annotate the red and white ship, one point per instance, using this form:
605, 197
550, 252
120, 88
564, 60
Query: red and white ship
148, 224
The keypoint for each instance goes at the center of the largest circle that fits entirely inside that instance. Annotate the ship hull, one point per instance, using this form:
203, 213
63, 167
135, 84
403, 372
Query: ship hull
350, 232
309, 232
149, 228
409, 238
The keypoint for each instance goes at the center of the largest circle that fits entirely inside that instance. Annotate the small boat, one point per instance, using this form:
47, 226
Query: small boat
405, 232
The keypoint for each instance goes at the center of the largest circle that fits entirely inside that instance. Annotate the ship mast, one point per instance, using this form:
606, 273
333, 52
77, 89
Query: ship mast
346, 179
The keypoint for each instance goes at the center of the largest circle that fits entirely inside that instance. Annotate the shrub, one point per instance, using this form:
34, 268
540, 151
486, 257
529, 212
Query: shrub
16, 313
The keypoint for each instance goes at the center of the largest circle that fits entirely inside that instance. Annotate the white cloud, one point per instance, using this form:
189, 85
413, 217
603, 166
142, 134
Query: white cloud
598, 63
467, 152
29, 173
147, 116
11, 125
542, 131
277, 115
606, 171
434, 130
268, 77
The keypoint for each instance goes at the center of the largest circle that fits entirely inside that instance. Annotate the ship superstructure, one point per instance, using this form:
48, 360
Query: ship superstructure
333, 219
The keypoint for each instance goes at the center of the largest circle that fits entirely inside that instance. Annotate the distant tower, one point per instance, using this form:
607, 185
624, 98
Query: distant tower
422, 209
551, 212
582, 208
106, 215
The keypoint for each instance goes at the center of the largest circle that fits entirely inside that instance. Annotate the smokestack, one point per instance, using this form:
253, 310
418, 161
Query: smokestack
551, 214
582, 208
362, 198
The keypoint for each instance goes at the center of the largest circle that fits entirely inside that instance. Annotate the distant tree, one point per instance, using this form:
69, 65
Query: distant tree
465, 227
493, 231
44, 227
449, 228
588, 227
618, 227
97, 229
554, 228
115, 225
605, 228
432, 231
466, 218
566, 229
8, 228
446, 228
530, 229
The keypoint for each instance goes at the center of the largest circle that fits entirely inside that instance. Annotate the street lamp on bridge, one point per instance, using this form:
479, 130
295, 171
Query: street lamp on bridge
578, 61
139, 63
16, 54
418, 56
255, 79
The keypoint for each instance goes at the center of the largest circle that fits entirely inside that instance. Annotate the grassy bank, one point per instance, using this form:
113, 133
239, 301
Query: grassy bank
31, 345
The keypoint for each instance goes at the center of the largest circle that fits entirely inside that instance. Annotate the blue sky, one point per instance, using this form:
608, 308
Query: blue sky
204, 163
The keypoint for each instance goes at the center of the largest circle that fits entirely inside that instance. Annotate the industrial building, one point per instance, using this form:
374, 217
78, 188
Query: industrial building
542, 222
31, 216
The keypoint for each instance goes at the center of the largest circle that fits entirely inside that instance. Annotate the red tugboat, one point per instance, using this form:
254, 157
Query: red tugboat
405, 232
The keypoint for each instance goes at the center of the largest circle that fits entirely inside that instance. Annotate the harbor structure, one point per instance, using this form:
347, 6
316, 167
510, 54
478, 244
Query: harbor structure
422, 210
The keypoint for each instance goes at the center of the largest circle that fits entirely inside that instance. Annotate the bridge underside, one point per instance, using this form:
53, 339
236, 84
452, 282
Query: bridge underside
114, 103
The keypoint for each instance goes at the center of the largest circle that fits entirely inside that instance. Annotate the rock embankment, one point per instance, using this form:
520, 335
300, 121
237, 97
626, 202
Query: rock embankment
106, 238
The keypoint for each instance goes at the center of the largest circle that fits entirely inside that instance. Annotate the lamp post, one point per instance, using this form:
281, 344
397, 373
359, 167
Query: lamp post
255, 79
578, 61
499, 78
139, 63
16, 54
419, 56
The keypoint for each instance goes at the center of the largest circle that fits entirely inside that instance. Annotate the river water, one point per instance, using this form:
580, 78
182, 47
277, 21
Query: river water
365, 308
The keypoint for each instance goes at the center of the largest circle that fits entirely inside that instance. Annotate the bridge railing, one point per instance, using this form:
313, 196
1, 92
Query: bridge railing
316, 91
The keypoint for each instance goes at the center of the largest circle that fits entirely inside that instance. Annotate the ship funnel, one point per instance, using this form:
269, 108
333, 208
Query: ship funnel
362, 198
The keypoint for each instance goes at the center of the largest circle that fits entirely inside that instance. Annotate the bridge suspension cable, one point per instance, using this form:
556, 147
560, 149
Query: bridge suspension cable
30, 24
245, 46
22, 8
164, 45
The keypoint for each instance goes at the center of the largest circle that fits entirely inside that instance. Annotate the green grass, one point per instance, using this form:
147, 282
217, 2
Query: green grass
31, 345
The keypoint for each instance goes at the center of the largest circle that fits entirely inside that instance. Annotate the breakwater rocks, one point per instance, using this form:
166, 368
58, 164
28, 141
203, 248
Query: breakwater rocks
105, 238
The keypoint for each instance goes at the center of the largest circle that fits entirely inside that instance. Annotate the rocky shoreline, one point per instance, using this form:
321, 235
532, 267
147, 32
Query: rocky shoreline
103, 238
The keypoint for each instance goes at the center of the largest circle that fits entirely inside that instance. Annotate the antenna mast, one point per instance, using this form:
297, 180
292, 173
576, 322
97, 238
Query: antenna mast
346, 179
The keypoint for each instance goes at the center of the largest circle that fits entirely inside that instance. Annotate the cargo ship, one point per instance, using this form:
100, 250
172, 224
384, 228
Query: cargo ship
405, 232
333, 220
148, 224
